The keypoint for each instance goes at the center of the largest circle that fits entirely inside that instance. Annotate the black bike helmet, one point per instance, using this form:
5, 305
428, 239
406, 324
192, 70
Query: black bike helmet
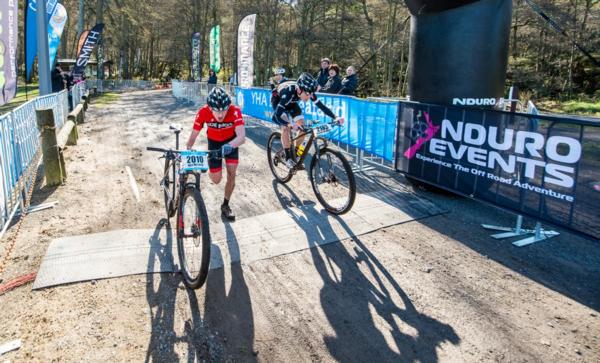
218, 99
307, 83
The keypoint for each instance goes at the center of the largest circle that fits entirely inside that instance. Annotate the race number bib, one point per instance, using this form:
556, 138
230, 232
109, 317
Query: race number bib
323, 129
194, 161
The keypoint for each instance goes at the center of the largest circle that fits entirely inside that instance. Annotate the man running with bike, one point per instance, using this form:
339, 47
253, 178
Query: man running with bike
287, 95
225, 132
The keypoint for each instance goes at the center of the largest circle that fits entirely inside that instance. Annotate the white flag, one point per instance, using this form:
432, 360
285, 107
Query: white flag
246, 51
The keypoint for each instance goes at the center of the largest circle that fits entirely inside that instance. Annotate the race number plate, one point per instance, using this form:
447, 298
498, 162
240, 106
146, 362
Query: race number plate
194, 161
323, 129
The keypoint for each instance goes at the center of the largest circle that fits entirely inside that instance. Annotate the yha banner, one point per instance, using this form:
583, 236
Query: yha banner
86, 51
8, 49
196, 57
370, 126
215, 48
545, 167
246, 51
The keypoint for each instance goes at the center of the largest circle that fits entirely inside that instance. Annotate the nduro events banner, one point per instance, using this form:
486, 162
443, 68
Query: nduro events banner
542, 166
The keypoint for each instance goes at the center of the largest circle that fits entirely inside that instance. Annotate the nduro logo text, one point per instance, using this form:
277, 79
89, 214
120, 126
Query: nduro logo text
474, 101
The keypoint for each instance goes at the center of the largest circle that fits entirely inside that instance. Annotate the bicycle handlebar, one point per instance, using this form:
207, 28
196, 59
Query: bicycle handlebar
211, 153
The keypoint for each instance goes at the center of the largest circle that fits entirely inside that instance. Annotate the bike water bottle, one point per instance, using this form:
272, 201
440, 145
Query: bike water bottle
302, 146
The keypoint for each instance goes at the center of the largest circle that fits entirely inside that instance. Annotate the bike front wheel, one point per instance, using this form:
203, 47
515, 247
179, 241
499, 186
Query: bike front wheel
276, 156
333, 181
193, 238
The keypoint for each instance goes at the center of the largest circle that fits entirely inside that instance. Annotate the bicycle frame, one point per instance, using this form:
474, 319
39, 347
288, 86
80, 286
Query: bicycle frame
312, 139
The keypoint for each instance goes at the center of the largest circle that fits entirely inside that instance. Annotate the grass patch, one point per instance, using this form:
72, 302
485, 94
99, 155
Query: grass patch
573, 107
23, 95
106, 98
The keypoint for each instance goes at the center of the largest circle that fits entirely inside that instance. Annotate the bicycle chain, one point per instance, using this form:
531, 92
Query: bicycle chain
11, 242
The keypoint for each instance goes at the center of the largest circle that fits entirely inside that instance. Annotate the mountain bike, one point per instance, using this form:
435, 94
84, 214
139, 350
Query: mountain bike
330, 172
183, 197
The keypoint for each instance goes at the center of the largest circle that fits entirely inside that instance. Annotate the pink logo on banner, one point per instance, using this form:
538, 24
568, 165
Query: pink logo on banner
422, 132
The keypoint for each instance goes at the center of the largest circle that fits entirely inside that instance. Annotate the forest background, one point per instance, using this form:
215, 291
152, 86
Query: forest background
151, 39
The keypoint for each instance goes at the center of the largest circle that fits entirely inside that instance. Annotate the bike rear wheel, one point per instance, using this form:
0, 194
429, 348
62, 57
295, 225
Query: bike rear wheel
276, 156
168, 183
193, 238
333, 181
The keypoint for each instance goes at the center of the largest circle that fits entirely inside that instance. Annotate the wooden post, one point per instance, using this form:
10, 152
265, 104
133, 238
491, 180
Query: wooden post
52, 157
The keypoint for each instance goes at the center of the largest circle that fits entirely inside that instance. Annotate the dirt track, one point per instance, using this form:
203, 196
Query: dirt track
436, 289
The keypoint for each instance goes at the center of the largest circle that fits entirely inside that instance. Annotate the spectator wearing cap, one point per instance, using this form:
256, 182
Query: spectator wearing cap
278, 77
323, 74
334, 82
350, 82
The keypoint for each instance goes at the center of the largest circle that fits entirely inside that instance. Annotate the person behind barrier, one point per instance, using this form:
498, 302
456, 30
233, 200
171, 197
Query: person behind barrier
57, 79
350, 82
323, 73
334, 82
225, 132
212, 79
278, 77
287, 110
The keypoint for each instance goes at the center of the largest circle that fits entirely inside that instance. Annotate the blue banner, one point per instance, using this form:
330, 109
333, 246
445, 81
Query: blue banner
55, 29
370, 126
31, 31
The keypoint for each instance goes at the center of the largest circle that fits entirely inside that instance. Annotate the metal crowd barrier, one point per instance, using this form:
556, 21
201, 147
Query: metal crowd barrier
197, 91
77, 91
122, 85
368, 135
19, 142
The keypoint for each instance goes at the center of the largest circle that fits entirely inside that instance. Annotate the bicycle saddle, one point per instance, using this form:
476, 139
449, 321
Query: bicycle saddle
175, 127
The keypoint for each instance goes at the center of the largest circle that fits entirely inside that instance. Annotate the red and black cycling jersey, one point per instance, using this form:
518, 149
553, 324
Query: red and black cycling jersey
287, 101
219, 131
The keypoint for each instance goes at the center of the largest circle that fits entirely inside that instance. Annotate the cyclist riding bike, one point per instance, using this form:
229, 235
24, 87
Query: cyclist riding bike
225, 131
287, 96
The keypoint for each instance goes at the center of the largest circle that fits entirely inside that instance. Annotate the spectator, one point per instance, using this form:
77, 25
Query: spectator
350, 82
58, 82
212, 77
323, 73
68, 76
278, 77
334, 82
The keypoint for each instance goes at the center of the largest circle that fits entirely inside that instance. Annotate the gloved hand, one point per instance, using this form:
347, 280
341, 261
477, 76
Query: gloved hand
339, 121
226, 149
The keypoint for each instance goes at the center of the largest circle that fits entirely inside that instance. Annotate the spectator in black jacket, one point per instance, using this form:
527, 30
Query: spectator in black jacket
334, 82
323, 73
58, 80
350, 82
212, 79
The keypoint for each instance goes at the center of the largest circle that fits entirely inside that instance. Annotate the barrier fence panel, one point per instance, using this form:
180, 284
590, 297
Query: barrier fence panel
542, 166
370, 125
196, 91
19, 142
122, 85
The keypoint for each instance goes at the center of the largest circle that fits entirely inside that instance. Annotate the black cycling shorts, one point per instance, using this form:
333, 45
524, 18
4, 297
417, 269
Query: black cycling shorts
294, 111
215, 164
